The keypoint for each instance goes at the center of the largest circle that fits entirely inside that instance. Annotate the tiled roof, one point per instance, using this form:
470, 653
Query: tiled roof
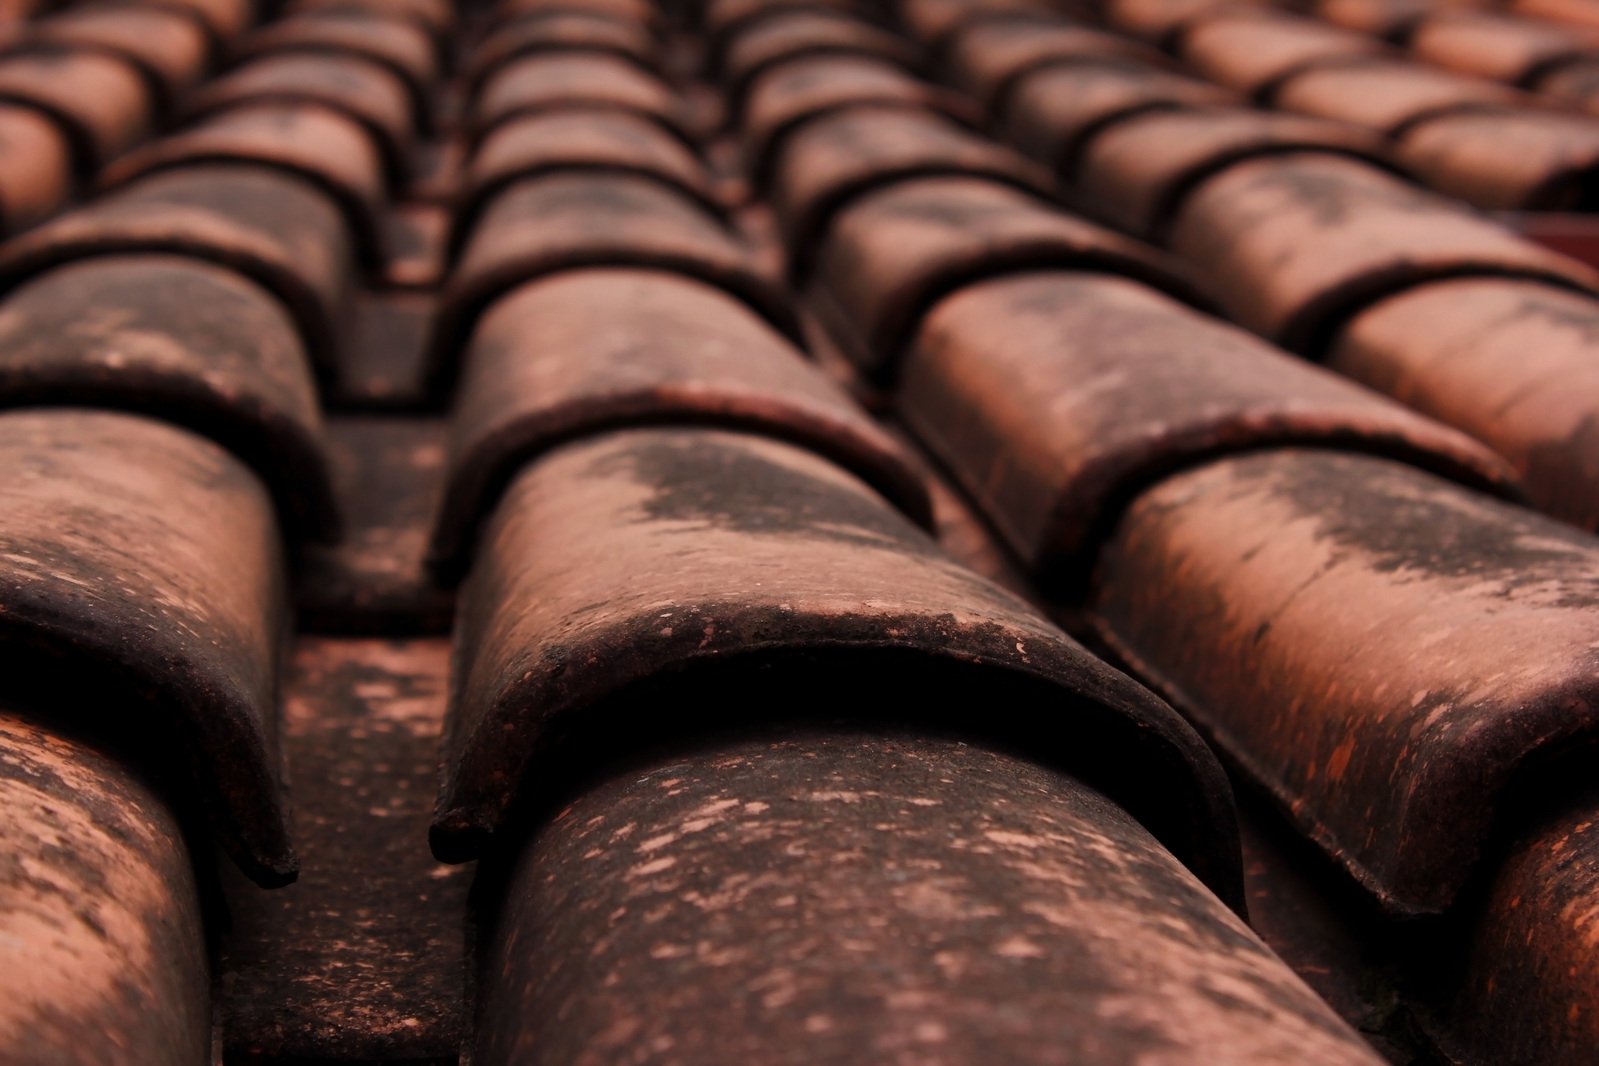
798, 531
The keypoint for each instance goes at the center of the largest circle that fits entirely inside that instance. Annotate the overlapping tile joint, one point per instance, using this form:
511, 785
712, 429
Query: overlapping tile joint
797, 531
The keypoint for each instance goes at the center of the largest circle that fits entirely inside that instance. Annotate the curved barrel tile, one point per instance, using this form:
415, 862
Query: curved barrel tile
183, 341
725, 20
1527, 988
224, 20
555, 81
787, 97
793, 35
561, 222
937, 22
623, 573
435, 16
1575, 15
1254, 51
988, 59
576, 139
100, 102
895, 252
1388, 19
1389, 95
393, 40
1521, 160
588, 351
139, 562
558, 32
35, 168
102, 940
1136, 174
1575, 84
851, 896
1053, 113
1509, 362
640, 12
1491, 45
1299, 244
1384, 652
1057, 398
833, 160
273, 228
366, 91
170, 50
1162, 21
309, 141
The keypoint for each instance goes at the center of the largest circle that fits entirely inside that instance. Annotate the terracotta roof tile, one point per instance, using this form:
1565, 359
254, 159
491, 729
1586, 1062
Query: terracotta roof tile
1383, 650
1162, 21
834, 159
896, 251
784, 99
1575, 83
592, 350
560, 34
986, 60
1505, 160
1254, 51
579, 139
1504, 360
1495, 46
424, 419
557, 80
1300, 243
1139, 172
1578, 13
436, 16
169, 49
140, 558
643, 12
35, 167
1451, 130
104, 918
1525, 990
391, 39
275, 229
722, 904
366, 91
563, 221
227, 19
1057, 397
722, 19
183, 341
324, 147
1389, 19
936, 22
1052, 113
1389, 95
793, 34
100, 102
795, 567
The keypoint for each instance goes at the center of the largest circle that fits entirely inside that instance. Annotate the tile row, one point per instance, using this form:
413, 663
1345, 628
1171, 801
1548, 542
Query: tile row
82, 86
655, 499
1321, 580
167, 471
1558, 60
1310, 240
1470, 137
712, 684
